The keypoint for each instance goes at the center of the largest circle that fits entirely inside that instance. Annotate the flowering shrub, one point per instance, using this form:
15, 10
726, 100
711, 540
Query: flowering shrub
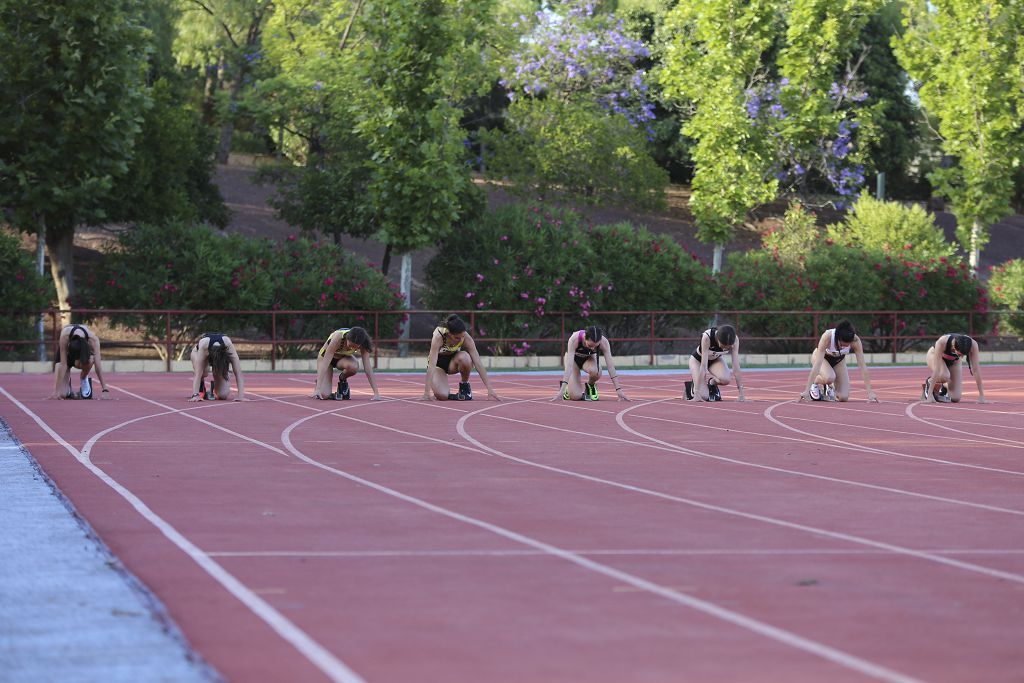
546, 261
797, 237
190, 267
1007, 288
23, 293
837, 277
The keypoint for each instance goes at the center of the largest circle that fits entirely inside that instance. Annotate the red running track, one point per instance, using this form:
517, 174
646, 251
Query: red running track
300, 540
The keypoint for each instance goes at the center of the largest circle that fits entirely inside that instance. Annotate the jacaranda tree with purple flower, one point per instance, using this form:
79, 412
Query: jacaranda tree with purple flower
766, 126
579, 114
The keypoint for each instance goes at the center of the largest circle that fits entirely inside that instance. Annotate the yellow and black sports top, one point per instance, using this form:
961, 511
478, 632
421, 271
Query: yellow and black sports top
447, 348
342, 351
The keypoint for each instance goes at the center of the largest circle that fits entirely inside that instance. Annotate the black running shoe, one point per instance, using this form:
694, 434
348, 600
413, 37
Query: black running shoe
344, 392
688, 390
714, 393
465, 392
207, 394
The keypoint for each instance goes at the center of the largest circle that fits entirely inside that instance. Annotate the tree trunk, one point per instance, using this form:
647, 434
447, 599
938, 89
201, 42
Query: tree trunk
385, 263
59, 246
716, 259
210, 86
227, 126
40, 269
975, 251
405, 288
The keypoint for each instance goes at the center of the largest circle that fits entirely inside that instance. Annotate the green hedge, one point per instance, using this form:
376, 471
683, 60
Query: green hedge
843, 278
22, 291
191, 267
546, 260
1007, 288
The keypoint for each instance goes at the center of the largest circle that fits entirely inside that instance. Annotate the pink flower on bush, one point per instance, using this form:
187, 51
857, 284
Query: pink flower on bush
479, 277
504, 238
328, 281
291, 238
470, 295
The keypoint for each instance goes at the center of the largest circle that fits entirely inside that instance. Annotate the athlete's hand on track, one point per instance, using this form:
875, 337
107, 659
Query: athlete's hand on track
872, 397
494, 395
981, 399
428, 397
806, 396
377, 397
195, 399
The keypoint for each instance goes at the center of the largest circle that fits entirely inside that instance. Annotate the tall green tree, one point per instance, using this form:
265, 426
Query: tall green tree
419, 186
321, 178
73, 83
713, 54
965, 57
773, 96
224, 39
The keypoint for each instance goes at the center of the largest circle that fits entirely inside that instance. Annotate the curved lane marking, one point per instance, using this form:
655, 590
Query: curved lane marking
880, 451
772, 632
321, 658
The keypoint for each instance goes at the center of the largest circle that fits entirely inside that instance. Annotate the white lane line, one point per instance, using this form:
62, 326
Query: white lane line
880, 451
977, 438
991, 440
652, 442
850, 538
772, 632
330, 665
619, 552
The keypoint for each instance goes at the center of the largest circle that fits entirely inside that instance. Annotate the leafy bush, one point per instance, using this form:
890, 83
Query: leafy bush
527, 257
23, 293
1007, 288
170, 176
190, 267
797, 237
576, 149
893, 228
845, 278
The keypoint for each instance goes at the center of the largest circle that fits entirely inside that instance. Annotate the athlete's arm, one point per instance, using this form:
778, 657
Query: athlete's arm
858, 350
478, 364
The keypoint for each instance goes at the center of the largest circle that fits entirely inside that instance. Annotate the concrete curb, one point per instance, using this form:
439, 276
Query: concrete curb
390, 363
69, 611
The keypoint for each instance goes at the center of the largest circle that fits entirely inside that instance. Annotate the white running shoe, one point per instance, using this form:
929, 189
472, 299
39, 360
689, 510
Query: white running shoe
830, 392
815, 392
86, 390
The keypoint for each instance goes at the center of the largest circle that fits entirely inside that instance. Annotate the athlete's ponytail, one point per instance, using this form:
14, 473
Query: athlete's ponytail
593, 333
220, 360
963, 344
845, 332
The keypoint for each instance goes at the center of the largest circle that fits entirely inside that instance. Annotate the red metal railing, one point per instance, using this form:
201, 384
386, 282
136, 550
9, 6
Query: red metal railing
818, 319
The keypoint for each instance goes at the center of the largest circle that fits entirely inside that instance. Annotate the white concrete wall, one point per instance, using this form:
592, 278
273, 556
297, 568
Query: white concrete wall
498, 363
